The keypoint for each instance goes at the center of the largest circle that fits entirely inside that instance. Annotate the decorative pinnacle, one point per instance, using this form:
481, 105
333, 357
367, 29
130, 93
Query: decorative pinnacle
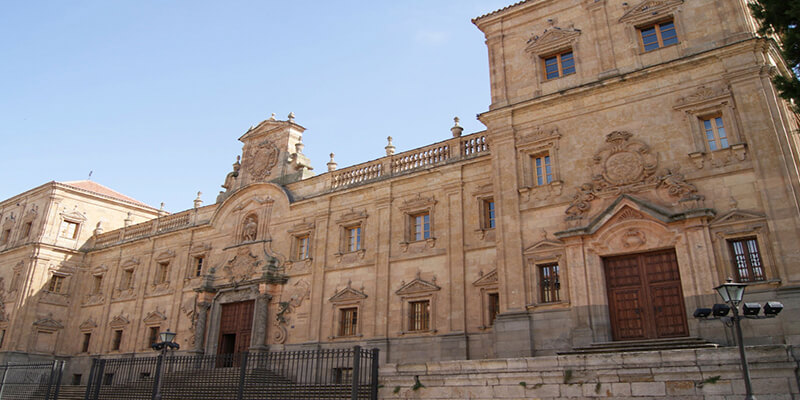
198, 201
291, 117
272, 117
457, 130
389, 147
332, 164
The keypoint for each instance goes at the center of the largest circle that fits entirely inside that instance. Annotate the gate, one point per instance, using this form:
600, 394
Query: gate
31, 381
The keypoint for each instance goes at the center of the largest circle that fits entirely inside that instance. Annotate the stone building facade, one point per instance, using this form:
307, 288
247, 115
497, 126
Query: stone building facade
636, 155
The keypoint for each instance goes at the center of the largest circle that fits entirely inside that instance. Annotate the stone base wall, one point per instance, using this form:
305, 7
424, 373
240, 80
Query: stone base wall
684, 374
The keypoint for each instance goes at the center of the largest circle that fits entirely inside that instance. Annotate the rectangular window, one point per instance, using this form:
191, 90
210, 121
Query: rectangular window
343, 375
162, 273
87, 338
419, 315
198, 266
488, 214
127, 280
353, 238
421, 226
543, 171
4, 236
303, 247
658, 35
152, 335
56, 282
69, 229
348, 321
97, 285
108, 379
26, 230
715, 133
116, 341
76, 379
493, 305
549, 283
559, 65
747, 260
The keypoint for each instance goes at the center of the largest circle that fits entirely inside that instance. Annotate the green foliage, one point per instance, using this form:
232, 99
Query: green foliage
597, 387
396, 390
523, 384
712, 380
538, 385
781, 18
417, 384
567, 375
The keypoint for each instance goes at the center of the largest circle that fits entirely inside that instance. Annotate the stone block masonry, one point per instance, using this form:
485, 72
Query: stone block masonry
674, 374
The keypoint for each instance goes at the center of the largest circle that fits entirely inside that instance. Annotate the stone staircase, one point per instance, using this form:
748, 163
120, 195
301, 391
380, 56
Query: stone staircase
643, 345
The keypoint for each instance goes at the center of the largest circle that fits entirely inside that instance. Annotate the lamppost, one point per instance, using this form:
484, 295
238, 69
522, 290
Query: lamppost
732, 294
167, 342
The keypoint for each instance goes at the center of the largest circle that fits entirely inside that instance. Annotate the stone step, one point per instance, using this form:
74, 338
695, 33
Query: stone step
643, 345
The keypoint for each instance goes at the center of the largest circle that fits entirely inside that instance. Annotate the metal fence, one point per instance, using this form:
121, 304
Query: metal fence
312, 374
31, 381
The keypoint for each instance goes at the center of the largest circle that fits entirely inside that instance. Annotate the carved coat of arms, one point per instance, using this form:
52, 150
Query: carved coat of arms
261, 158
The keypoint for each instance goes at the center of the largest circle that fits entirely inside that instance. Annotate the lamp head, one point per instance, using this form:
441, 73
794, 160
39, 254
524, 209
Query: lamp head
731, 292
751, 309
702, 312
720, 310
772, 308
167, 337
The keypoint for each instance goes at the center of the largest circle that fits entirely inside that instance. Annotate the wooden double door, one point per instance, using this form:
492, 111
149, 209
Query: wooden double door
645, 298
235, 327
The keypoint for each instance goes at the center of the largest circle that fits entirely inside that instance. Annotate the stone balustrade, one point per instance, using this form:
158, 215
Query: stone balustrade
468, 146
144, 229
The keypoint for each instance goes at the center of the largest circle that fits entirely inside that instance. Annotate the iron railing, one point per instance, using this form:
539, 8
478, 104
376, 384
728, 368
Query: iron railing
31, 381
350, 373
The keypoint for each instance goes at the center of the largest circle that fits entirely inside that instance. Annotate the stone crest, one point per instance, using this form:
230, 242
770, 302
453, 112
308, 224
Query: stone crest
622, 162
261, 158
242, 266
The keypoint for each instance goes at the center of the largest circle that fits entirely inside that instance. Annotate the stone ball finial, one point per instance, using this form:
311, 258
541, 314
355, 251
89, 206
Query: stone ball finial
332, 164
291, 117
198, 201
389, 147
457, 130
272, 117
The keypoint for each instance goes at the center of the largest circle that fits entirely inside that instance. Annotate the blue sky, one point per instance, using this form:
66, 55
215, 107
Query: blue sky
152, 95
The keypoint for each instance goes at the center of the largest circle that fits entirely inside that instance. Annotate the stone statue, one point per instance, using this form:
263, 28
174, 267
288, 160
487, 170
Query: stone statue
250, 229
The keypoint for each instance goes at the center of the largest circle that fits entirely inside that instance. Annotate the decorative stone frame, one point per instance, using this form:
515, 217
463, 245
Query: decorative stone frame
482, 194
45, 325
418, 290
165, 257
488, 284
553, 41
297, 232
242, 233
347, 298
411, 208
95, 295
119, 322
64, 285
195, 252
529, 146
153, 319
74, 217
349, 220
87, 326
706, 102
130, 265
739, 224
546, 251
650, 12
27, 223
6, 229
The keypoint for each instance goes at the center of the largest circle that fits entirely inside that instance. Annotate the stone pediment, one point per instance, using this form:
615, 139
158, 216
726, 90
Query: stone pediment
31, 213
48, 323
417, 203
100, 270
544, 245
489, 279
267, 126
200, 249
89, 324
702, 95
552, 39
165, 256
352, 215
301, 227
132, 262
255, 199
73, 216
119, 321
347, 294
650, 10
737, 216
418, 285
154, 317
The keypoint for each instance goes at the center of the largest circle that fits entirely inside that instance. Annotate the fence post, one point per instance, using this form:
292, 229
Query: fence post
50, 380
356, 372
89, 380
157, 379
58, 379
373, 393
3, 383
101, 366
242, 373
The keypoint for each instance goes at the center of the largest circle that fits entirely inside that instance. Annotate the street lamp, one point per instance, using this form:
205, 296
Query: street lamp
732, 293
167, 342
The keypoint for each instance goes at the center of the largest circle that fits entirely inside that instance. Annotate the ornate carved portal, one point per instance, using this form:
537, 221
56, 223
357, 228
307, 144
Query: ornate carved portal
645, 299
235, 328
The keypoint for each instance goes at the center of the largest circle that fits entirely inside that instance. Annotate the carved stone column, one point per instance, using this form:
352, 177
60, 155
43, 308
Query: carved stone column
258, 343
200, 326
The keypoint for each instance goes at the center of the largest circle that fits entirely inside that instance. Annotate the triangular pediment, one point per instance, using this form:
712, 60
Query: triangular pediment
266, 126
650, 10
119, 321
489, 279
417, 286
48, 323
737, 216
347, 294
165, 256
552, 39
418, 202
154, 317
545, 245
352, 215
88, 324
129, 263
74, 216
